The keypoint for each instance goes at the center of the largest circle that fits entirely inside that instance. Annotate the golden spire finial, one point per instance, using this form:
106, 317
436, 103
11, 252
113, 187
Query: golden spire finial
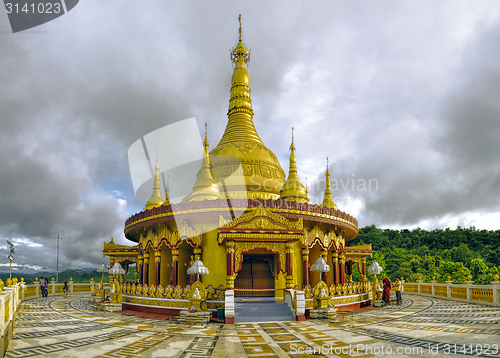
204, 187
293, 188
328, 200
156, 198
239, 19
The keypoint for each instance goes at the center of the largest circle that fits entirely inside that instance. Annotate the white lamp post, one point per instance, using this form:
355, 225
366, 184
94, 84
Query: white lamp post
375, 269
103, 269
320, 266
197, 268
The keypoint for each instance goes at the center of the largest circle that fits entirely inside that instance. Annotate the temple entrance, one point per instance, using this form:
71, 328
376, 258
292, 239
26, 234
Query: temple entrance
256, 277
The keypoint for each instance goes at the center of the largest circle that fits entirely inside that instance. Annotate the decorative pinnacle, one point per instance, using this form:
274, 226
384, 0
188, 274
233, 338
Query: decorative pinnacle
239, 19
205, 143
328, 201
240, 52
167, 189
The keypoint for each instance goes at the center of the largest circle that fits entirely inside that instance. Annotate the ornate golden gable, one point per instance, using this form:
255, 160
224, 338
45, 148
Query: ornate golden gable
261, 220
112, 246
325, 239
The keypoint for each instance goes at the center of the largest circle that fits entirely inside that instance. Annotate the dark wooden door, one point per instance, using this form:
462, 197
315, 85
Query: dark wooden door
255, 278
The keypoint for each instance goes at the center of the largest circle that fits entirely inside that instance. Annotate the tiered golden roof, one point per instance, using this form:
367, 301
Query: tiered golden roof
156, 198
204, 187
328, 201
240, 150
293, 188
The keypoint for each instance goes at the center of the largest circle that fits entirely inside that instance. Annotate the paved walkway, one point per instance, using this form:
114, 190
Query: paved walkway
421, 327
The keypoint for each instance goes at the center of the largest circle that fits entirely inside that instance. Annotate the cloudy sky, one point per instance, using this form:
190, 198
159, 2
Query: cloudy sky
402, 95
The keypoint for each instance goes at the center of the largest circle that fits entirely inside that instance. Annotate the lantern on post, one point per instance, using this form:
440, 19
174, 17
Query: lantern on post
375, 269
197, 268
103, 269
320, 265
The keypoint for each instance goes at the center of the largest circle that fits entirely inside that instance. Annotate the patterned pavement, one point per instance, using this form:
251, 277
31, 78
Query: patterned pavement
420, 327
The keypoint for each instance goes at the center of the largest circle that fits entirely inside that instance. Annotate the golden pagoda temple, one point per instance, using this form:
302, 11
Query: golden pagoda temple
263, 234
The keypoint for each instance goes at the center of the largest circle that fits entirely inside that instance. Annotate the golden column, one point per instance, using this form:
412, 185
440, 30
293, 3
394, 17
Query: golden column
174, 272
145, 279
140, 262
363, 268
289, 264
230, 265
335, 268
305, 267
157, 266
324, 255
341, 268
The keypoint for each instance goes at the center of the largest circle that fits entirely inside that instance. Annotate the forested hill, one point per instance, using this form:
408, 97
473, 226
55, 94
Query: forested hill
440, 253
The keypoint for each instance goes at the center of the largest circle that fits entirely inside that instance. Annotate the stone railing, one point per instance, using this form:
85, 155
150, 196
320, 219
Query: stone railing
57, 288
297, 302
340, 290
340, 294
10, 299
468, 292
14, 292
176, 294
169, 291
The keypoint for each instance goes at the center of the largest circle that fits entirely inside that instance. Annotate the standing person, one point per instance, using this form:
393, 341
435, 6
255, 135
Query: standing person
397, 289
42, 286
46, 287
65, 288
386, 291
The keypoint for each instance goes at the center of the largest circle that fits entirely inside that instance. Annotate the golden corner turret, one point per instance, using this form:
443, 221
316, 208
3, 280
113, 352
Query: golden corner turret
293, 189
204, 188
156, 198
328, 201
240, 150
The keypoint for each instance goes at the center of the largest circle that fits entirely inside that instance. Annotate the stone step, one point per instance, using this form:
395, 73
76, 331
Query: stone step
262, 312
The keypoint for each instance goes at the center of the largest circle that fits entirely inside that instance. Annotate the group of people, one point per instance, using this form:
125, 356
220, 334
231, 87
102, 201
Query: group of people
386, 290
44, 285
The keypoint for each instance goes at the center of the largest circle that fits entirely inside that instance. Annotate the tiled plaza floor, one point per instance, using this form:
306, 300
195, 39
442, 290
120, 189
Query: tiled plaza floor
421, 327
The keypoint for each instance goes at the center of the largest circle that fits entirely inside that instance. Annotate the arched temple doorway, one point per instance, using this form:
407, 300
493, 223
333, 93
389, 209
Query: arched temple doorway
256, 277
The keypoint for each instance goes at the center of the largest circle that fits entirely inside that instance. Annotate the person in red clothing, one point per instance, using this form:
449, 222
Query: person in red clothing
386, 291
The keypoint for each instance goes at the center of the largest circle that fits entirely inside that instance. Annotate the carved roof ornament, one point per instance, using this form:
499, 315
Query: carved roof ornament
264, 219
325, 239
112, 246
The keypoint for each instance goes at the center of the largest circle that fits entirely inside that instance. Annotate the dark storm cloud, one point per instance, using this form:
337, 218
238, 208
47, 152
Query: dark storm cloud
366, 85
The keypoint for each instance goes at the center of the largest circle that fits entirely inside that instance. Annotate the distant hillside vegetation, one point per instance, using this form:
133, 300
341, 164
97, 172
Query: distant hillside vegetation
438, 253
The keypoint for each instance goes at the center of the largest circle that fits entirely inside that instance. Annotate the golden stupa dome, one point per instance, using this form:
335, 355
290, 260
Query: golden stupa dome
241, 153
